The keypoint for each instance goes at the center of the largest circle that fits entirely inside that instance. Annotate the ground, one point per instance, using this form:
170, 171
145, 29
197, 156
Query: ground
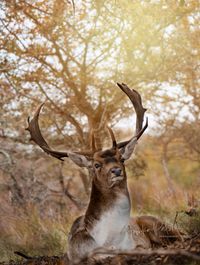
184, 253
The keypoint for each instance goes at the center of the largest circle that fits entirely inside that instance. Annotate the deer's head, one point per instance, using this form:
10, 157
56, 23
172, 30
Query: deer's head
106, 166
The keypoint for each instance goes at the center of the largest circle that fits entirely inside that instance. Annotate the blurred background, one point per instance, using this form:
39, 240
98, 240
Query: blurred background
70, 54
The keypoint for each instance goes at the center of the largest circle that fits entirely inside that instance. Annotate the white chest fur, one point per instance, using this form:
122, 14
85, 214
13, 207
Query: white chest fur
112, 228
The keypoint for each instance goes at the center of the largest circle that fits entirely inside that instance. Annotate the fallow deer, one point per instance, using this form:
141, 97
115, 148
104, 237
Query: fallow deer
107, 222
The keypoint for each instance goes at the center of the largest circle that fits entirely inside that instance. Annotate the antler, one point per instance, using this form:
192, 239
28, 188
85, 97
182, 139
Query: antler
36, 136
134, 96
93, 142
114, 143
136, 100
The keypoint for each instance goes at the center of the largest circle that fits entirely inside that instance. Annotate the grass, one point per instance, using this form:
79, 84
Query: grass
191, 223
32, 235
35, 235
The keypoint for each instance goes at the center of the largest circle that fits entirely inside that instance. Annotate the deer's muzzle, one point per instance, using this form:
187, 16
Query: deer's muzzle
116, 176
117, 171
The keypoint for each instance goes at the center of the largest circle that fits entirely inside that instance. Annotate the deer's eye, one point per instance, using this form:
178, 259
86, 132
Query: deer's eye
97, 165
122, 160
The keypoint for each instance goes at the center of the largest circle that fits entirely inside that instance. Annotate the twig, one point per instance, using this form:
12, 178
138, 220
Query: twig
22, 255
175, 219
175, 223
148, 252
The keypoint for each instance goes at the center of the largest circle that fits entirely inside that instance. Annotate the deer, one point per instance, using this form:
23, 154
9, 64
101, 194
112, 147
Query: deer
107, 222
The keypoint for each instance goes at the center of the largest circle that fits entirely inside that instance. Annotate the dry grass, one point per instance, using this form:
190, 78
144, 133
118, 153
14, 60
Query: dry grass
32, 235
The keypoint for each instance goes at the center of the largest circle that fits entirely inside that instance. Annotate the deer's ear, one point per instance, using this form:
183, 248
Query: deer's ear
127, 151
79, 160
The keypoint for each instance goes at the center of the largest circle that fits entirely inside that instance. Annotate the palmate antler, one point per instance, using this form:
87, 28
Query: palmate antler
36, 135
136, 100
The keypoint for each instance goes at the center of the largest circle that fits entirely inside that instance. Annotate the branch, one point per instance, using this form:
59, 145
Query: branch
148, 252
68, 116
12, 33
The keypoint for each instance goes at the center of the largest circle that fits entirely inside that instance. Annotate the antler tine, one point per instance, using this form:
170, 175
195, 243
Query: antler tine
36, 136
140, 133
122, 144
93, 143
114, 143
136, 100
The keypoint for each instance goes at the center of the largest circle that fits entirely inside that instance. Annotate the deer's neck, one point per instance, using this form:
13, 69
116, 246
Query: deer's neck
108, 212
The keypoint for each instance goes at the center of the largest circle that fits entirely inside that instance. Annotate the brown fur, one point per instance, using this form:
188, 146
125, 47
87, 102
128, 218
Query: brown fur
102, 199
157, 231
147, 231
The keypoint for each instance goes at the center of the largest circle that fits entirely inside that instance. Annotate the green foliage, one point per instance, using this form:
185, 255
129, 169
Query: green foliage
191, 223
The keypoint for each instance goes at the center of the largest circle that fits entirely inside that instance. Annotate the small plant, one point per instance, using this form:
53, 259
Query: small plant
191, 222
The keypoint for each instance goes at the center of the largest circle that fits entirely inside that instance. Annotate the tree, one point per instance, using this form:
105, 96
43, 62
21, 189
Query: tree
72, 58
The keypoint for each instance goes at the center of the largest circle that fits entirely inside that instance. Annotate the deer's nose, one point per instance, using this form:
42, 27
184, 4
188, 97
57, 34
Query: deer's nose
117, 171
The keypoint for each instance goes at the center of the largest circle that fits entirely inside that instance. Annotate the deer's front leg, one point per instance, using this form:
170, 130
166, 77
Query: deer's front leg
80, 245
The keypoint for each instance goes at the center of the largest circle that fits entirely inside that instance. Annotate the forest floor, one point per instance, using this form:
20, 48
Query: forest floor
184, 253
